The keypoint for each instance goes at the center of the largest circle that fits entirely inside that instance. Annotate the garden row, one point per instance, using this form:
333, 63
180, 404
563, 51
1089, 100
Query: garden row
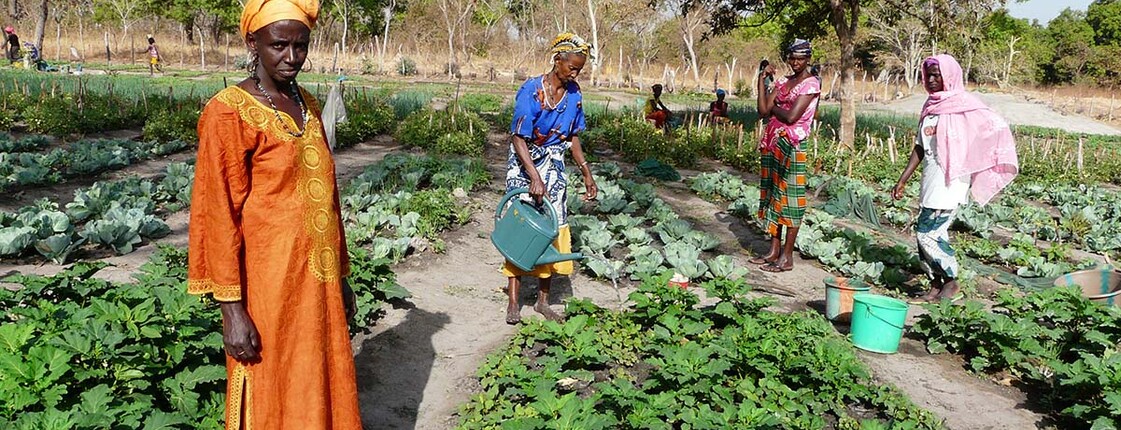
82, 158
667, 362
111, 214
82, 353
1054, 343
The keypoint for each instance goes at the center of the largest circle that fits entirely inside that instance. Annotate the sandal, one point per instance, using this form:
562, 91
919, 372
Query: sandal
759, 261
772, 268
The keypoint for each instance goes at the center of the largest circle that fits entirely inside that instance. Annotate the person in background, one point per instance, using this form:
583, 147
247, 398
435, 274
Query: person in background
12, 52
790, 107
548, 118
656, 112
266, 238
154, 58
718, 110
962, 146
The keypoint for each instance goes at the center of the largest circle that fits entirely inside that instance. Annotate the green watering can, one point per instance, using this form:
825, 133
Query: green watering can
525, 234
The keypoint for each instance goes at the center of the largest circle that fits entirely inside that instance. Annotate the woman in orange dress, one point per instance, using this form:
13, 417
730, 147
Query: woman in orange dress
266, 237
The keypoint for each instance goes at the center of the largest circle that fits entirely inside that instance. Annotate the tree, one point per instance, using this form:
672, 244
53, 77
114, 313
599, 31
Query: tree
901, 39
455, 13
41, 24
692, 16
804, 18
1073, 41
1104, 16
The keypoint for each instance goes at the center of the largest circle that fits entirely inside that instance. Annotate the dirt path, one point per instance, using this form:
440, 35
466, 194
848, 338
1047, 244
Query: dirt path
937, 383
1017, 110
418, 365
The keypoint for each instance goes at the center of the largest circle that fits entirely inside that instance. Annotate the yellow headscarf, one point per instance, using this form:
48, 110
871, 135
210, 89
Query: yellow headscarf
259, 13
570, 43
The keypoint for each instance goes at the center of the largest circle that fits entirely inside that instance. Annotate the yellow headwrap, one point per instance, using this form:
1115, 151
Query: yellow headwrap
259, 13
570, 43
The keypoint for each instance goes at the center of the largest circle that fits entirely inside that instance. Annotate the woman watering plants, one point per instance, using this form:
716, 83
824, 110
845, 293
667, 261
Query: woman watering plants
266, 238
790, 106
548, 116
963, 146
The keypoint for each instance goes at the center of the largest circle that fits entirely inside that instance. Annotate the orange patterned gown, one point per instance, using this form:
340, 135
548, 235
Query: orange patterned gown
265, 228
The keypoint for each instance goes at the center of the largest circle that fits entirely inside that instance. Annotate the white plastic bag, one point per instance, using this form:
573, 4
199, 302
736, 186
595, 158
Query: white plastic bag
334, 112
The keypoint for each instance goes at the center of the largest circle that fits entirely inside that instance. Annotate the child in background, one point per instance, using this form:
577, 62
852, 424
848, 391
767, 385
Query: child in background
154, 58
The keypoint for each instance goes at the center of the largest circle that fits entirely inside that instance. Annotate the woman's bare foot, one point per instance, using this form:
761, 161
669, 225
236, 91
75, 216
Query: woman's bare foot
513, 314
547, 312
930, 296
951, 291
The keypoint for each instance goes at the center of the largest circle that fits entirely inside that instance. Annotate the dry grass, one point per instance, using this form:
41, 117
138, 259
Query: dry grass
513, 65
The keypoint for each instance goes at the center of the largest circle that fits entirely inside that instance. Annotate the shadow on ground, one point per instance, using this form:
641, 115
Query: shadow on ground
393, 372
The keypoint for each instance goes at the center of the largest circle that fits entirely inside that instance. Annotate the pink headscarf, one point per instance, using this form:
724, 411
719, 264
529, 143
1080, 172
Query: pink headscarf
972, 139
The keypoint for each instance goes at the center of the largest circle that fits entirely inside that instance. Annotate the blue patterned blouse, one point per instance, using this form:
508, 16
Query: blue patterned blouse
544, 125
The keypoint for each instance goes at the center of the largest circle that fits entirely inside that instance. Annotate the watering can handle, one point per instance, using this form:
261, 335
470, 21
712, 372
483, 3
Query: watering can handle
519, 191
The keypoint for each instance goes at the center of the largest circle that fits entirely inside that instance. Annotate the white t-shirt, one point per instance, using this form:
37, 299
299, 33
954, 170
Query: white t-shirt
935, 194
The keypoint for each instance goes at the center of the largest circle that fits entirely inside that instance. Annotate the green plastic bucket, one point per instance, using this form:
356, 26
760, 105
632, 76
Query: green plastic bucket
838, 297
877, 322
1099, 285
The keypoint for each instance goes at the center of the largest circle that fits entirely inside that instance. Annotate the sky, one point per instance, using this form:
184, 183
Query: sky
1044, 10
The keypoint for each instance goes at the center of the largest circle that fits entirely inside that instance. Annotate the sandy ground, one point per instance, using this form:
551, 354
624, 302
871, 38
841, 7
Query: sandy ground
1017, 110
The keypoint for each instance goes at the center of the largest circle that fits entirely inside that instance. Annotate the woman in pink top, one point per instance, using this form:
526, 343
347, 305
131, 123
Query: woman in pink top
791, 106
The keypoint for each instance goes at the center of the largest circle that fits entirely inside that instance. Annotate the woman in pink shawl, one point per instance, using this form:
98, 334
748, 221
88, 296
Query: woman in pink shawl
965, 148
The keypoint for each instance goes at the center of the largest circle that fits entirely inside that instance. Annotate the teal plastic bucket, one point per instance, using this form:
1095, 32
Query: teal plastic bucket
877, 323
839, 294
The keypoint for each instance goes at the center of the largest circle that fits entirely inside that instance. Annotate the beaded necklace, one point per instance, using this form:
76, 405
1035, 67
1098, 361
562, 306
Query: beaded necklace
299, 101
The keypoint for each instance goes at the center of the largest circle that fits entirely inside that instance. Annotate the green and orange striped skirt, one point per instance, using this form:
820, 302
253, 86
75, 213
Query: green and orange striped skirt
782, 186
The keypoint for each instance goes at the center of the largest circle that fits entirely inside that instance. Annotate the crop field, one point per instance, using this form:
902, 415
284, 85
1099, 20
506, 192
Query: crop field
99, 333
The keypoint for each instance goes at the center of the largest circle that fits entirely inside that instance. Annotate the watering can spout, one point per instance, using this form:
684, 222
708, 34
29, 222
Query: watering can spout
552, 256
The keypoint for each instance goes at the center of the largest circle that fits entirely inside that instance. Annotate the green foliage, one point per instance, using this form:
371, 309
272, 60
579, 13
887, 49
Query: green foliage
426, 128
116, 214
670, 364
405, 196
374, 283
406, 67
171, 125
1058, 343
95, 354
365, 118
24, 144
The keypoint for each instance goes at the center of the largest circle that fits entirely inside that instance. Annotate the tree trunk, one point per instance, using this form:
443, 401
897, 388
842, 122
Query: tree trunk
58, 39
388, 13
41, 25
688, 36
15, 12
845, 25
595, 41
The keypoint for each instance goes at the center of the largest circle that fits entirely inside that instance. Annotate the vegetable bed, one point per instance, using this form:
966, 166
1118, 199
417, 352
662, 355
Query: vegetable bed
669, 364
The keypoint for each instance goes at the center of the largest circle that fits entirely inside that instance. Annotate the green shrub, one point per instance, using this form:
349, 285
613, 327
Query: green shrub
171, 125
670, 363
438, 211
480, 102
406, 102
365, 119
425, 129
458, 143
406, 67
